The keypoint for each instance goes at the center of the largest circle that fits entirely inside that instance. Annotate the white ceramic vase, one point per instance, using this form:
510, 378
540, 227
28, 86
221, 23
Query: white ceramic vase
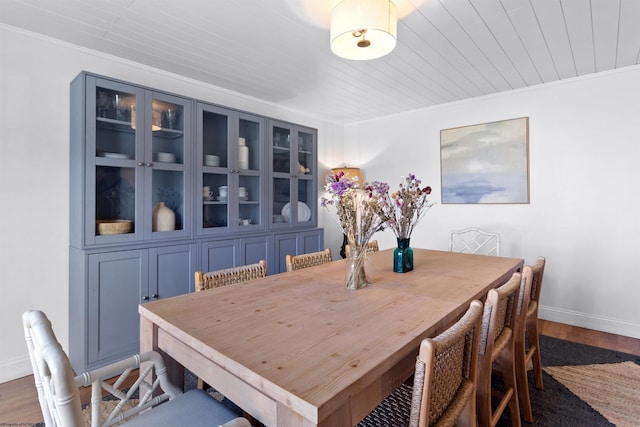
163, 218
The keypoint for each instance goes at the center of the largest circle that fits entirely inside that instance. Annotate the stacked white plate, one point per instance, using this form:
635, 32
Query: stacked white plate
166, 157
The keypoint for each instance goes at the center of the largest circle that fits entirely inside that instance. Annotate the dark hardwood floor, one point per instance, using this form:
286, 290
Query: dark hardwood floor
19, 400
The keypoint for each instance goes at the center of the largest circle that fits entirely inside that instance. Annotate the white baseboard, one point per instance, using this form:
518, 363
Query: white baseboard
14, 369
590, 321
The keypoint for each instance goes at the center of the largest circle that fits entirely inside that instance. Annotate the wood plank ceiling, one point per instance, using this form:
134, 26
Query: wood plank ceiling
278, 50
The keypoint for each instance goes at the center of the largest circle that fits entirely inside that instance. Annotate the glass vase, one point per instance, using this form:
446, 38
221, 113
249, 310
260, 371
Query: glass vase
356, 272
403, 257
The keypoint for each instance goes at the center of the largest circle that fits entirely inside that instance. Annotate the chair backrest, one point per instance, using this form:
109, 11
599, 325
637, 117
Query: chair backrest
499, 320
446, 373
537, 271
297, 262
58, 389
474, 240
229, 276
371, 246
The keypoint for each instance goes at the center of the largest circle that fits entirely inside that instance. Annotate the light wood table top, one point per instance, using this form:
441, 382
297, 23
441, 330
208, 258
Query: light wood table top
299, 349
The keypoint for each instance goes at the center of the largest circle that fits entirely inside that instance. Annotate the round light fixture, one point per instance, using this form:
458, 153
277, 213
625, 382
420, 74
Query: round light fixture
363, 29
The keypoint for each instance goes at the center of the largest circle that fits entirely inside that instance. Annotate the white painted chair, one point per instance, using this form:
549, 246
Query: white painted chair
59, 395
474, 240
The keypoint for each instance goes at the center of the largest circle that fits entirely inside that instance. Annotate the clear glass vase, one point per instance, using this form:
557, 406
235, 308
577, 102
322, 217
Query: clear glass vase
356, 272
403, 257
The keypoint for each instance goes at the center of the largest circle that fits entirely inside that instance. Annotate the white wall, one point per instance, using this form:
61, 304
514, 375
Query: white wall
584, 215
35, 73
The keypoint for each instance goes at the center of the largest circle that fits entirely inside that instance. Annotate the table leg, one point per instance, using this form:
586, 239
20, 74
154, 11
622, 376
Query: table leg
149, 342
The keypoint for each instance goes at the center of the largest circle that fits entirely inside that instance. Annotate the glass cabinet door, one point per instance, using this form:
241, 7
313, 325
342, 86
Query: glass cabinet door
293, 187
305, 172
167, 164
214, 163
114, 180
229, 170
250, 176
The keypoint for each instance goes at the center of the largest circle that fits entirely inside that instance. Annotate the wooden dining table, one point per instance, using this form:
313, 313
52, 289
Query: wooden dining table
299, 349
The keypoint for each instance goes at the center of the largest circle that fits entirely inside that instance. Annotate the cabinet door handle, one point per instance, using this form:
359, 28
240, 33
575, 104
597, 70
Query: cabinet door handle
140, 164
145, 298
149, 165
154, 296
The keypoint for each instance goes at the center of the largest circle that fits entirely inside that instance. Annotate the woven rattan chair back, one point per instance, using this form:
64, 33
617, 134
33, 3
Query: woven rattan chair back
474, 240
229, 276
59, 394
497, 341
297, 262
444, 382
528, 334
372, 246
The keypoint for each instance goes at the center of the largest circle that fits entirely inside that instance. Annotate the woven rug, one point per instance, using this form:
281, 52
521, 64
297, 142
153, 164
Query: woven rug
611, 389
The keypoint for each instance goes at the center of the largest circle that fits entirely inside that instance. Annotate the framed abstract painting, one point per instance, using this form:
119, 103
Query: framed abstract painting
486, 163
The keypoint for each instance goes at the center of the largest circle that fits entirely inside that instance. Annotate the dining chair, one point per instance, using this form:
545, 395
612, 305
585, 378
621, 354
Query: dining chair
159, 404
297, 262
229, 276
474, 240
371, 246
497, 346
528, 334
444, 385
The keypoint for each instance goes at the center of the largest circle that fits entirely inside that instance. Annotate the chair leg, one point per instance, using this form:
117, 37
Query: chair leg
534, 346
523, 382
483, 399
510, 383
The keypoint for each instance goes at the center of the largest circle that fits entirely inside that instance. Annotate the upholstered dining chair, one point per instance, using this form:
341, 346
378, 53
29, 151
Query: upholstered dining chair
297, 262
59, 395
497, 345
371, 246
444, 385
229, 276
528, 334
474, 240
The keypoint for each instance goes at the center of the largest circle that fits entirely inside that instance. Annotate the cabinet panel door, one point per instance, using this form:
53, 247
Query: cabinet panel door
171, 271
311, 241
114, 295
285, 244
220, 254
255, 249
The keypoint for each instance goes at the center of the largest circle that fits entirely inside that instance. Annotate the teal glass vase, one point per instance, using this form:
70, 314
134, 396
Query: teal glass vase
403, 257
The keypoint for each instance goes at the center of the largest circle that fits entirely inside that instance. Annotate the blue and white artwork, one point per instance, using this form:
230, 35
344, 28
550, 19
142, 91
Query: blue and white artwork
486, 163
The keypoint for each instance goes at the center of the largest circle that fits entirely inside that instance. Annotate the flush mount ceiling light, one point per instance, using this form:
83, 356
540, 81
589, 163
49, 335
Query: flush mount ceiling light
363, 29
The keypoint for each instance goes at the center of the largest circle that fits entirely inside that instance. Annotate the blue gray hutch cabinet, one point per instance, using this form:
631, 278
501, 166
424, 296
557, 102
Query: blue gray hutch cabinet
162, 186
